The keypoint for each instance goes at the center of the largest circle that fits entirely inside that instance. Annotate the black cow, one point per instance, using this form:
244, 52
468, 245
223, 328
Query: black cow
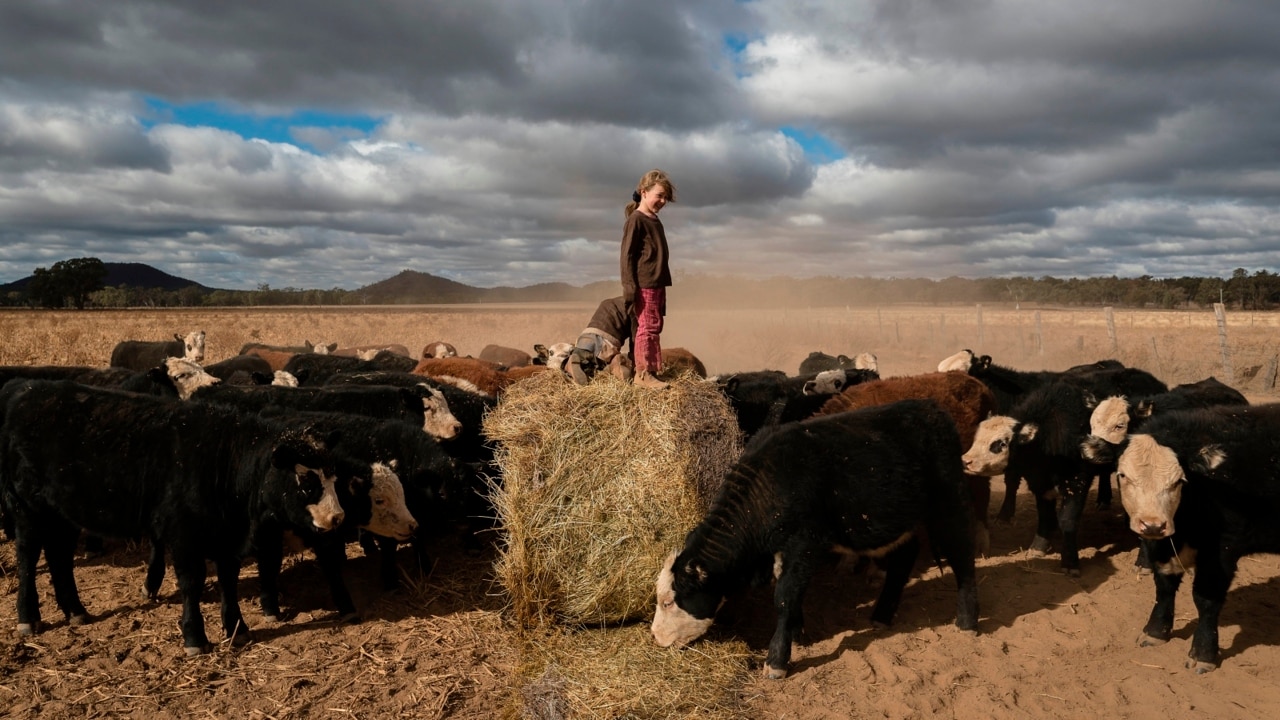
423, 406
818, 361
1039, 441
764, 398
1011, 385
234, 369
431, 480
196, 478
1117, 416
1202, 489
315, 369
470, 447
146, 354
865, 480
110, 377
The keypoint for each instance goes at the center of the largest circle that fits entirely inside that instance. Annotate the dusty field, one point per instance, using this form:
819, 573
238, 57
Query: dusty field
1049, 646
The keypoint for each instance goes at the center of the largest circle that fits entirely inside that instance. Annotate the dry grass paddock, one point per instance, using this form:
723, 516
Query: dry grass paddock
446, 645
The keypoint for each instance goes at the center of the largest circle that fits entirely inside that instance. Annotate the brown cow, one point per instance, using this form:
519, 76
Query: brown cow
678, 361
474, 375
505, 356
966, 399
276, 358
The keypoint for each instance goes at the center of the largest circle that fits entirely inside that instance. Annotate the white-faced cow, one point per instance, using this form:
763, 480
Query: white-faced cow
818, 361
1039, 441
195, 478
1202, 490
865, 480
146, 354
1117, 416
438, 349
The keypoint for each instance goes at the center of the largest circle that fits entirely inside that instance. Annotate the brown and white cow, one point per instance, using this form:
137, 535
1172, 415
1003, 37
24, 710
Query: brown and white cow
146, 354
439, 349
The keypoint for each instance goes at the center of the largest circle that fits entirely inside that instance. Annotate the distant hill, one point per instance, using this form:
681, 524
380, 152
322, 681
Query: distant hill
408, 287
132, 274
411, 286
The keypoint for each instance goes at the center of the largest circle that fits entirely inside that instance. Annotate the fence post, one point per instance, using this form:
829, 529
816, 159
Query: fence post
1039, 335
1269, 382
1111, 328
1022, 343
1155, 356
981, 339
1220, 312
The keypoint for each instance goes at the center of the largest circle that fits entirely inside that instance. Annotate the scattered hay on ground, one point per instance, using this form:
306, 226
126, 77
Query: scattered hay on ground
622, 673
600, 482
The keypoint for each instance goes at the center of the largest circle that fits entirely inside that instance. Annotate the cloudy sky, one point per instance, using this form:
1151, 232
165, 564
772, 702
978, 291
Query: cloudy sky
332, 143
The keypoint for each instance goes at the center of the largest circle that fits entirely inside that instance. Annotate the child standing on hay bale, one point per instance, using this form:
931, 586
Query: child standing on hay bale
645, 273
600, 343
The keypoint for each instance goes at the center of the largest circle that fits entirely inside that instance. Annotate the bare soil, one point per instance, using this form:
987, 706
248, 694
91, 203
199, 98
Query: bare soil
1048, 646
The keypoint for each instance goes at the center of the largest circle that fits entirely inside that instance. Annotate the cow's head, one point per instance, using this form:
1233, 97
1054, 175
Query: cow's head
1151, 480
553, 356
192, 345
284, 379
1110, 419
686, 606
313, 496
390, 516
439, 350
438, 420
959, 362
866, 361
995, 438
186, 376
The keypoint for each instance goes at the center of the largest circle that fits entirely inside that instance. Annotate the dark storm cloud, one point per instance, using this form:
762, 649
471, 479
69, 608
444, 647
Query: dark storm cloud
636, 64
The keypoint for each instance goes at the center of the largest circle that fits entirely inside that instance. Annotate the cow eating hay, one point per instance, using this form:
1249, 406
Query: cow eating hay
599, 482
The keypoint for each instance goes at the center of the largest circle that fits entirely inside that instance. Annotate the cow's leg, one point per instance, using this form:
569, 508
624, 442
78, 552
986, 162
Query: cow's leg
1209, 591
233, 624
331, 555
980, 501
155, 570
61, 539
388, 568
27, 545
788, 595
1011, 483
952, 542
269, 549
1103, 501
897, 565
1074, 492
188, 567
1160, 624
1046, 523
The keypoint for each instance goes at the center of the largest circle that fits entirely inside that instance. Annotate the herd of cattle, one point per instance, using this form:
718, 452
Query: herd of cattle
217, 462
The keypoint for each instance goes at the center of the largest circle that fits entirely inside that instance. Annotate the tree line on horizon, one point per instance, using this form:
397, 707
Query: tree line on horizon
78, 283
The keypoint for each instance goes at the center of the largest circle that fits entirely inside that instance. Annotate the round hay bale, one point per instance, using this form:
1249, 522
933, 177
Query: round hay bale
599, 483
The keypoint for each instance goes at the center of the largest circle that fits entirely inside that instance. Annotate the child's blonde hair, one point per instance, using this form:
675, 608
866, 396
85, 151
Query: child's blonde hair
648, 180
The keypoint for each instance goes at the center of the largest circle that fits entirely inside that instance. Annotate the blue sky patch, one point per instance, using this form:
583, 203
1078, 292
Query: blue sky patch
272, 128
817, 148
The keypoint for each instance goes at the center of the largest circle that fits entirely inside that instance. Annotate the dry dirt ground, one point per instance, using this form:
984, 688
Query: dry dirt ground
1048, 646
